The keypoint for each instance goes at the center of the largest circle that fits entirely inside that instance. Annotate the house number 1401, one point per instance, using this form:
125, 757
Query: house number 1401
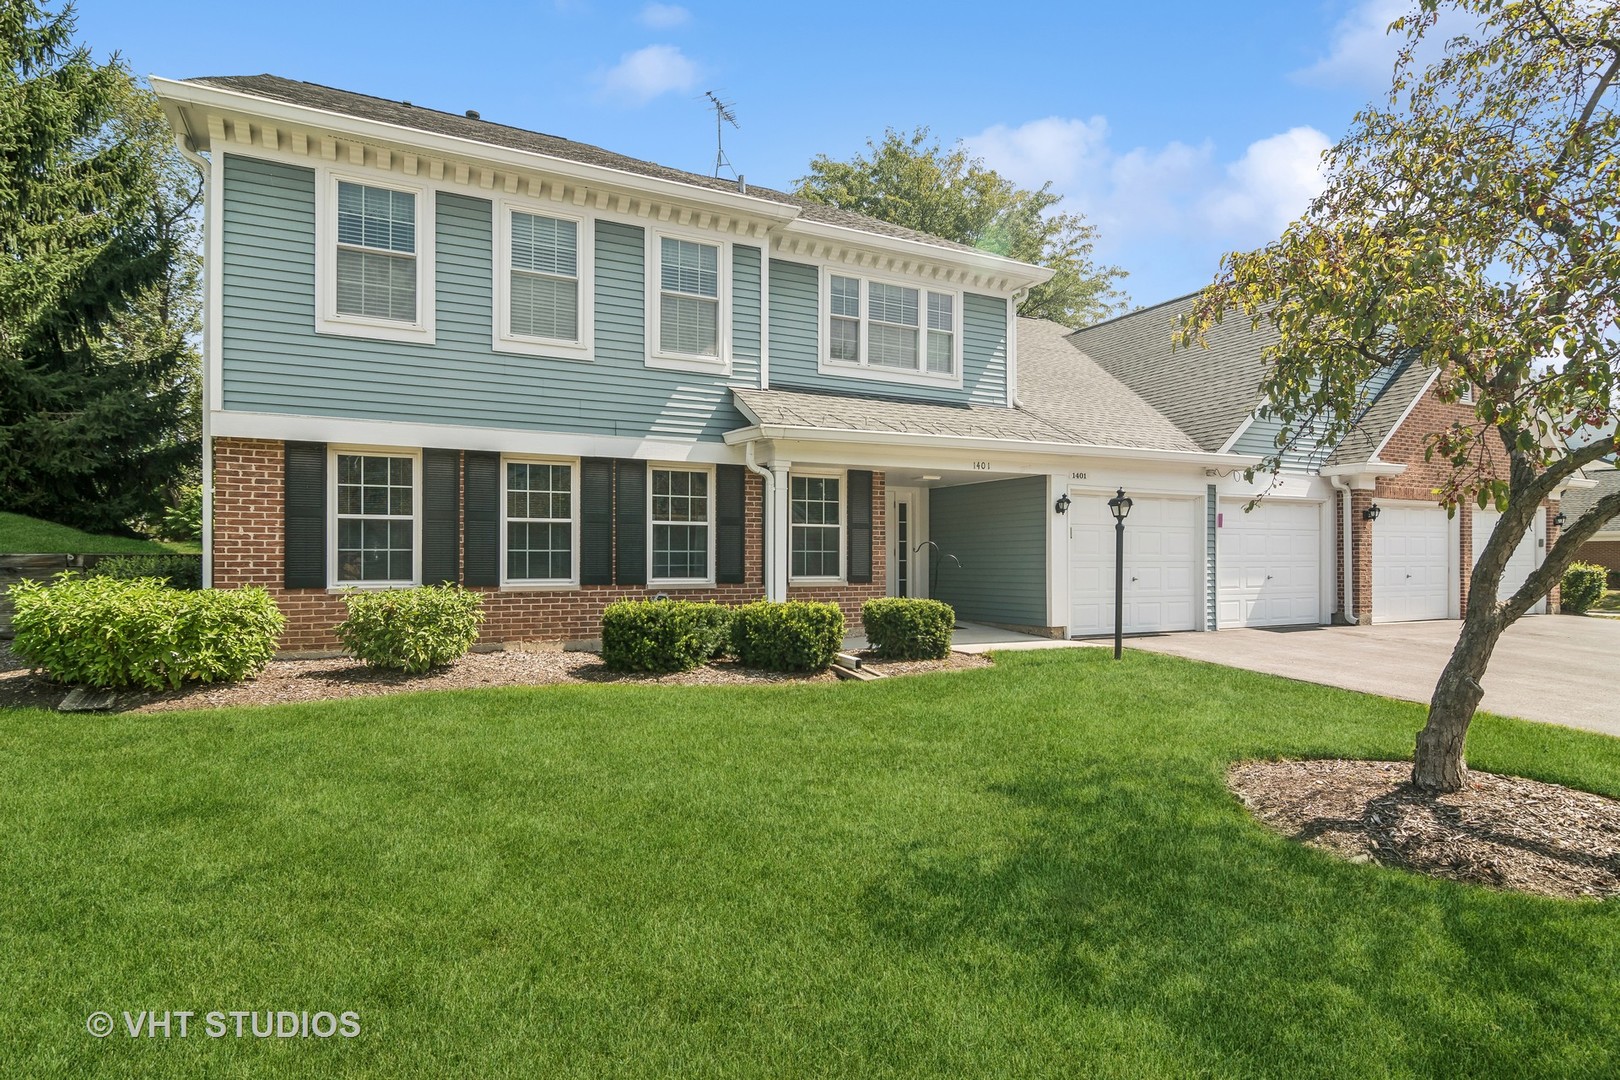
982, 466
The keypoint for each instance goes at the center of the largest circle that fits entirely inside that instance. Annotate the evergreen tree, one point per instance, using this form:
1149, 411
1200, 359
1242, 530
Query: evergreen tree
92, 429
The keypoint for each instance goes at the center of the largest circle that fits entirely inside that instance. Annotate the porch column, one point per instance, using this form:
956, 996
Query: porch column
776, 534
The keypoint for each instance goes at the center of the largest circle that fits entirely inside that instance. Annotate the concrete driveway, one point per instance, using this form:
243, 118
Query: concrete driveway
1559, 669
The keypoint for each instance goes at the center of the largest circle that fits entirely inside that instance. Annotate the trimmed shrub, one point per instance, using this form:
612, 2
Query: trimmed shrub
177, 571
663, 635
901, 628
109, 632
797, 635
411, 630
1582, 587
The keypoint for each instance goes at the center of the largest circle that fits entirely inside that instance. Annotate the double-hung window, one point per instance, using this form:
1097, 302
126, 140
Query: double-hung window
542, 282
688, 320
817, 527
891, 330
375, 264
539, 522
376, 519
681, 519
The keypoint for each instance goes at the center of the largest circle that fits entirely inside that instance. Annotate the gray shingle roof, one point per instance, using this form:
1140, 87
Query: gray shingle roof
1207, 393
1578, 501
1382, 416
456, 125
846, 412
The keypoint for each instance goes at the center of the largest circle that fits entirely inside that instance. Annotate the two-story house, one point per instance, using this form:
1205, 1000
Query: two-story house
442, 349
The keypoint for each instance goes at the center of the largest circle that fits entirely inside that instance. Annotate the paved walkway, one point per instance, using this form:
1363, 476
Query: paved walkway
1559, 669
978, 638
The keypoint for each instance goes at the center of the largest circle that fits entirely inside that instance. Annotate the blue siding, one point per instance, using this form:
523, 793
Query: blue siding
1309, 451
997, 531
274, 362
795, 343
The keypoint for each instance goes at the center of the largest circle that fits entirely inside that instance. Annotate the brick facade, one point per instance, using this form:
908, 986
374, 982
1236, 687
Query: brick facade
1603, 553
248, 545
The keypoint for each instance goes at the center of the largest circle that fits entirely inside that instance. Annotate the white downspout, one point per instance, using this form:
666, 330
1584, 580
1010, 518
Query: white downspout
201, 164
770, 526
1343, 488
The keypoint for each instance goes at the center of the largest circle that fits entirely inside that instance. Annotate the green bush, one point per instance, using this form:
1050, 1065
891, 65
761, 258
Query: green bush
411, 630
177, 571
663, 635
109, 632
899, 628
797, 635
1582, 587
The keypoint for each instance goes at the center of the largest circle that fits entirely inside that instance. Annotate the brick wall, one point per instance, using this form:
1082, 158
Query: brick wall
1603, 553
248, 546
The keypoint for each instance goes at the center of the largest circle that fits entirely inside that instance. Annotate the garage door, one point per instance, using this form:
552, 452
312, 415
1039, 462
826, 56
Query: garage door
1268, 564
1411, 564
1525, 558
1163, 541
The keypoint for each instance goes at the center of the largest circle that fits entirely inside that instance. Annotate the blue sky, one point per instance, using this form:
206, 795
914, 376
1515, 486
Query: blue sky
1182, 130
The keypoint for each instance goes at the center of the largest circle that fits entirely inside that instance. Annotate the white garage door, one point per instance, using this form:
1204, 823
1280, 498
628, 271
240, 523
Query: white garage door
1525, 558
1268, 564
1163, 539
1411, 567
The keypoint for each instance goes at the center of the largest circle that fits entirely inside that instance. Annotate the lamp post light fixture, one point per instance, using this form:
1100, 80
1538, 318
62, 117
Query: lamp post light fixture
1120, 507
1371, 513
1063, 503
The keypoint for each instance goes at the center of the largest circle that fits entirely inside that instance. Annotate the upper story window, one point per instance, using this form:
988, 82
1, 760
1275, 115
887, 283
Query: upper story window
543, 282
891, 330
374, 259
374, 541
688, 304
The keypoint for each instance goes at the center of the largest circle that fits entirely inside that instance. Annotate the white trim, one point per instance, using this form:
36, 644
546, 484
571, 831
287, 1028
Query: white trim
503, 339
764, 316
328, 429
415, 455
572, 581
213, 284
1413, 404
657, 357
863, 368
842, 476
1012, 346
327, 318
1242, 429
681, 583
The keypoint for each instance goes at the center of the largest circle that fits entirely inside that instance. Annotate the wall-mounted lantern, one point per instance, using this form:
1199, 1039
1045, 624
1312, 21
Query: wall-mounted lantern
1371, 513
1063, 503
1559, 519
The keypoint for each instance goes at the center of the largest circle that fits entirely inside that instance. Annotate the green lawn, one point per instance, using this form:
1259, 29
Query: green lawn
31, 536
1033, 870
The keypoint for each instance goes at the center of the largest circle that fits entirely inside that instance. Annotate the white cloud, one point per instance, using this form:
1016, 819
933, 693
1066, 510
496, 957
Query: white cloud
1055, 148
1363, 51
642, 75
1265, 189
663, 16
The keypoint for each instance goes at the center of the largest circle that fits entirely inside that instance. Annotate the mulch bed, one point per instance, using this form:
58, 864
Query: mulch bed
1505, 832
286, 681
953, 662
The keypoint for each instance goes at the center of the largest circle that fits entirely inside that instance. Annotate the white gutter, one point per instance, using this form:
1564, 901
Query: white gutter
772, 528
183, 140
1343, 488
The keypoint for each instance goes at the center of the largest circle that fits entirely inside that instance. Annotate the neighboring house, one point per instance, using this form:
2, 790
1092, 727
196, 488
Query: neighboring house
1604, 548
441, 349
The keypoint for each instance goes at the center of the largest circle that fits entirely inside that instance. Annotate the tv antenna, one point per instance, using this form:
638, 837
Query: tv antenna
723, 115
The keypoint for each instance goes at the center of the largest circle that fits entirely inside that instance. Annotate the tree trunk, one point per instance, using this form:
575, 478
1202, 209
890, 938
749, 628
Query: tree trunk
1438, 763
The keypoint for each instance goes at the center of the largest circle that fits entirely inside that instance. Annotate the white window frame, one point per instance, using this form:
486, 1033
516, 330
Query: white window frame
657, 357
863, 369
332, 454
523, 344
572, 581
327, 318
842, 477
691, 467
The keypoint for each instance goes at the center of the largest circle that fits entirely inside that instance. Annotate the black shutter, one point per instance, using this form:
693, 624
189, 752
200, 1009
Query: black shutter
729, 515
483, 502
441, 517
859, 501
630, 525
304, 562
596, 521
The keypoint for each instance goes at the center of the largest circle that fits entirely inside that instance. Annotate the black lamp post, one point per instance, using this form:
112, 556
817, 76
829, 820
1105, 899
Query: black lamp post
1120, 507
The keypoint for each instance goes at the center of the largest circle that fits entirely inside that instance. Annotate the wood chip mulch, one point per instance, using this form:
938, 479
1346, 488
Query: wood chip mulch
1505, 832
286, 681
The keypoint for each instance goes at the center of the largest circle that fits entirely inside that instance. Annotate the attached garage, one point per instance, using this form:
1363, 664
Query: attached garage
1524, 560
1268, 564
1411, 564
1163, 561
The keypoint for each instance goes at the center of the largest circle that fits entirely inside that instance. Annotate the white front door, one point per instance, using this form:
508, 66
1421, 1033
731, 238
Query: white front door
1411, 564
1521, 564
907, 570
1163, 542
1268, 564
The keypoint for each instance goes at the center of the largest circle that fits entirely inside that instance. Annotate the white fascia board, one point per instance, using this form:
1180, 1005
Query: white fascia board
333, 429
792, 433
1019, 275
1363, 476
1248, 422
1410, 405
183, 94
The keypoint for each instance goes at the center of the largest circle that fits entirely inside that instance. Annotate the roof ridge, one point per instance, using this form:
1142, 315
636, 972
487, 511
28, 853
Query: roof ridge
1138, 311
